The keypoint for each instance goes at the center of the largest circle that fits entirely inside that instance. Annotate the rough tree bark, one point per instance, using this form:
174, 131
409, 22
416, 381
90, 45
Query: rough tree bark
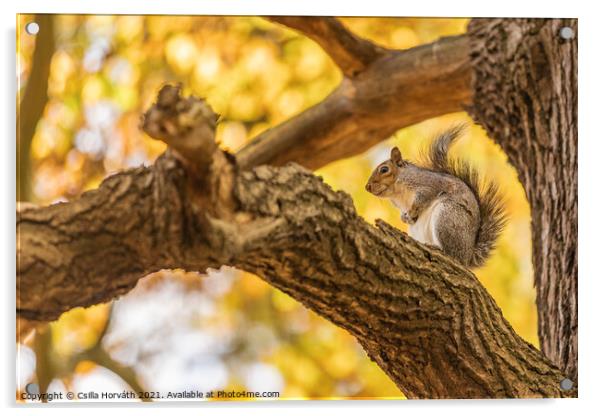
525, 95
423, 318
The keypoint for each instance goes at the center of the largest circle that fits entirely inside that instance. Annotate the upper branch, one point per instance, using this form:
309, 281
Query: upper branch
399, 89
351, 53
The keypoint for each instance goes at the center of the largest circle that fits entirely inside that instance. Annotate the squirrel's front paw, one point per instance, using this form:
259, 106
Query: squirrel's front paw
405, 217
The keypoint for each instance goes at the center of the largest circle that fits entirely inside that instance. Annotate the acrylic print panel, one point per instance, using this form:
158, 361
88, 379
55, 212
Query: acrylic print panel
169, 250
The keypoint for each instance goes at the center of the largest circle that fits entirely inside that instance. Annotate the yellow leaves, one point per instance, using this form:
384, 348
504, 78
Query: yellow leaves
376, 384
121, 71
100, 24
126, 98
298, 368
341, 362
386, 211
48, 140
258, 128
231, 135
153, 147
93, 183
311, 62
61, 68
51, 137
85, 367
289, 103
271, 82
245, 106
294, 391
181, 53
78, 329
258, 57
159, 27
128, 28
252, 286
208, 66
283, 302
93, 89
404, 38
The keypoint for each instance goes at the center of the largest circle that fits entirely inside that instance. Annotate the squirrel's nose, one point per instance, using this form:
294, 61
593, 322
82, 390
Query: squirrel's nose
368, 187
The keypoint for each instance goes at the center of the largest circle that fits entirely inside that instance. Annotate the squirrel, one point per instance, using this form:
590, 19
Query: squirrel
443, 200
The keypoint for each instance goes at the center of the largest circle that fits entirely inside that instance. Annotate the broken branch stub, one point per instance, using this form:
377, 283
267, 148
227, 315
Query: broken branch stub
187, 125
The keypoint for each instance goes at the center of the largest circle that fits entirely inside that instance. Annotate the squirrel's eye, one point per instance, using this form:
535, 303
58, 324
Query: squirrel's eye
383, 169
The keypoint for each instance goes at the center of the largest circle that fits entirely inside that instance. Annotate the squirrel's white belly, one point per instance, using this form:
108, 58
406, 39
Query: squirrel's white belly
423, 229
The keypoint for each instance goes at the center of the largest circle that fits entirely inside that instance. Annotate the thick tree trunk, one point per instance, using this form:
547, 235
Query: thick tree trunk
525, 95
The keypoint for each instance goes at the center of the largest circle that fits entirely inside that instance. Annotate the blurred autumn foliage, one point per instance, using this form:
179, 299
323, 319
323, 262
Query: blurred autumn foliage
228, 330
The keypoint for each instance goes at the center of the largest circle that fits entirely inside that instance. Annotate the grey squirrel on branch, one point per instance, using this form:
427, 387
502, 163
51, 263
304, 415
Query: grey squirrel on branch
444, 201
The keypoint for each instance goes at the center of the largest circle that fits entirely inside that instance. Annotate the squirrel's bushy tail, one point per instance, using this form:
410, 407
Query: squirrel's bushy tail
491, 205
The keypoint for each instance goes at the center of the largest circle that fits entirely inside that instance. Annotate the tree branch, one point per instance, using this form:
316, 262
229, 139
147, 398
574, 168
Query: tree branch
351, 53
426, 320
31, 107
99, 355
421, 83
49, 367
186, 125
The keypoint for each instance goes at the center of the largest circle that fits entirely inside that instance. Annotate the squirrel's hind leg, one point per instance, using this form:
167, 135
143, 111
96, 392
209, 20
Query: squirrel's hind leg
452, 226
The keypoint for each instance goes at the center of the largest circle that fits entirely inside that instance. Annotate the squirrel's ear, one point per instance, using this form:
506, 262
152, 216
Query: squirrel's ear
396, 156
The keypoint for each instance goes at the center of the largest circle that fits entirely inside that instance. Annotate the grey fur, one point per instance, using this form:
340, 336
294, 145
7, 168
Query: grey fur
444, 201
491, 205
